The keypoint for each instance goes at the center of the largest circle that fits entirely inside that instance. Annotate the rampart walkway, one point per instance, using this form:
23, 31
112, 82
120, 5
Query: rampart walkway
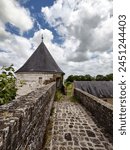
72, 128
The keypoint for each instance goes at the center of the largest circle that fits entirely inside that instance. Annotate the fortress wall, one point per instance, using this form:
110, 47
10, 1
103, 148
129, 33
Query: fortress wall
23, 121
33, 77
27, 82
101, 110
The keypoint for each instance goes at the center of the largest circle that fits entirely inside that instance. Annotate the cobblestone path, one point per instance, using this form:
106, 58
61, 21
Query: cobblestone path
71, 128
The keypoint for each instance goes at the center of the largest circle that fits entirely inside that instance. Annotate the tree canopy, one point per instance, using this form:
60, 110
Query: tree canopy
87, 77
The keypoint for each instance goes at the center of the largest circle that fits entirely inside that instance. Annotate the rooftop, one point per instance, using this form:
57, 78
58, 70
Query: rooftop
40, 61
100, 89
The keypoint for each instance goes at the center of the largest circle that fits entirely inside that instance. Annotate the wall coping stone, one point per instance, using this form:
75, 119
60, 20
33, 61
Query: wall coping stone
99, 100
26, 117
101, 111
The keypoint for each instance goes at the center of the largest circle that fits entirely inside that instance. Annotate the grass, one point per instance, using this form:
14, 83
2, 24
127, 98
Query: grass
69, 89
73, 99
58, 95
69, 93
48, 133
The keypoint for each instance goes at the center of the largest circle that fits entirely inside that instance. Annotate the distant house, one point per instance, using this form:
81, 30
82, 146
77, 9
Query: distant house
40, 69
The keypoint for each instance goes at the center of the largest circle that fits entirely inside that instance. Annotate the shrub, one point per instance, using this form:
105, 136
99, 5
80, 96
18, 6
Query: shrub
7, 85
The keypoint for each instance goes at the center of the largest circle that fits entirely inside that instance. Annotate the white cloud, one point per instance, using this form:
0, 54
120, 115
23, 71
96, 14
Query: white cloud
85, 20
86, 26
16, 49
13, 49
3, 33
12, 12
47, 36
56, 51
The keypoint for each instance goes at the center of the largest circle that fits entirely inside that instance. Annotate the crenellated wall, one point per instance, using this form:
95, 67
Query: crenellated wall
101, 110
23, 121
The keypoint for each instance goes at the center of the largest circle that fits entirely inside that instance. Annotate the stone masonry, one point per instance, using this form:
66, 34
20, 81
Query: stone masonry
101, 110
23, 121
72, 128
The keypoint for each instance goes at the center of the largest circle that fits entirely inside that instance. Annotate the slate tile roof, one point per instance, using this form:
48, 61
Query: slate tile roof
101, 89
40, 61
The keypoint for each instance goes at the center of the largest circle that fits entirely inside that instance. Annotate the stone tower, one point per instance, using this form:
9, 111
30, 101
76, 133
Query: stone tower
40, 69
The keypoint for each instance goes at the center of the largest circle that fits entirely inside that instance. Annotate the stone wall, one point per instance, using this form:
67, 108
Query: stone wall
27, 82
102, 111
33, 77
23, 121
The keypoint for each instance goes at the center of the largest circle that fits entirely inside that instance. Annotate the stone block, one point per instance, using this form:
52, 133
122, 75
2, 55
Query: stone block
23, 121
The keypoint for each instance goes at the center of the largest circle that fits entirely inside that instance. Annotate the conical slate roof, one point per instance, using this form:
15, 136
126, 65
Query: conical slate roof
40, 61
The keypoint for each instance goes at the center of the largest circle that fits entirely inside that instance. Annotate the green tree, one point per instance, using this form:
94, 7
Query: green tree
109, 77
70, 78
88, 77
7, 84
99, 78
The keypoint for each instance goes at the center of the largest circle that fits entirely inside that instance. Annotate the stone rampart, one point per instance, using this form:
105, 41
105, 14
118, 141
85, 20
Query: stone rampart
102, 111
23, 121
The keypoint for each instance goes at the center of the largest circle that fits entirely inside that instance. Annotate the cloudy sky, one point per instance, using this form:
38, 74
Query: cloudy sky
78, 33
